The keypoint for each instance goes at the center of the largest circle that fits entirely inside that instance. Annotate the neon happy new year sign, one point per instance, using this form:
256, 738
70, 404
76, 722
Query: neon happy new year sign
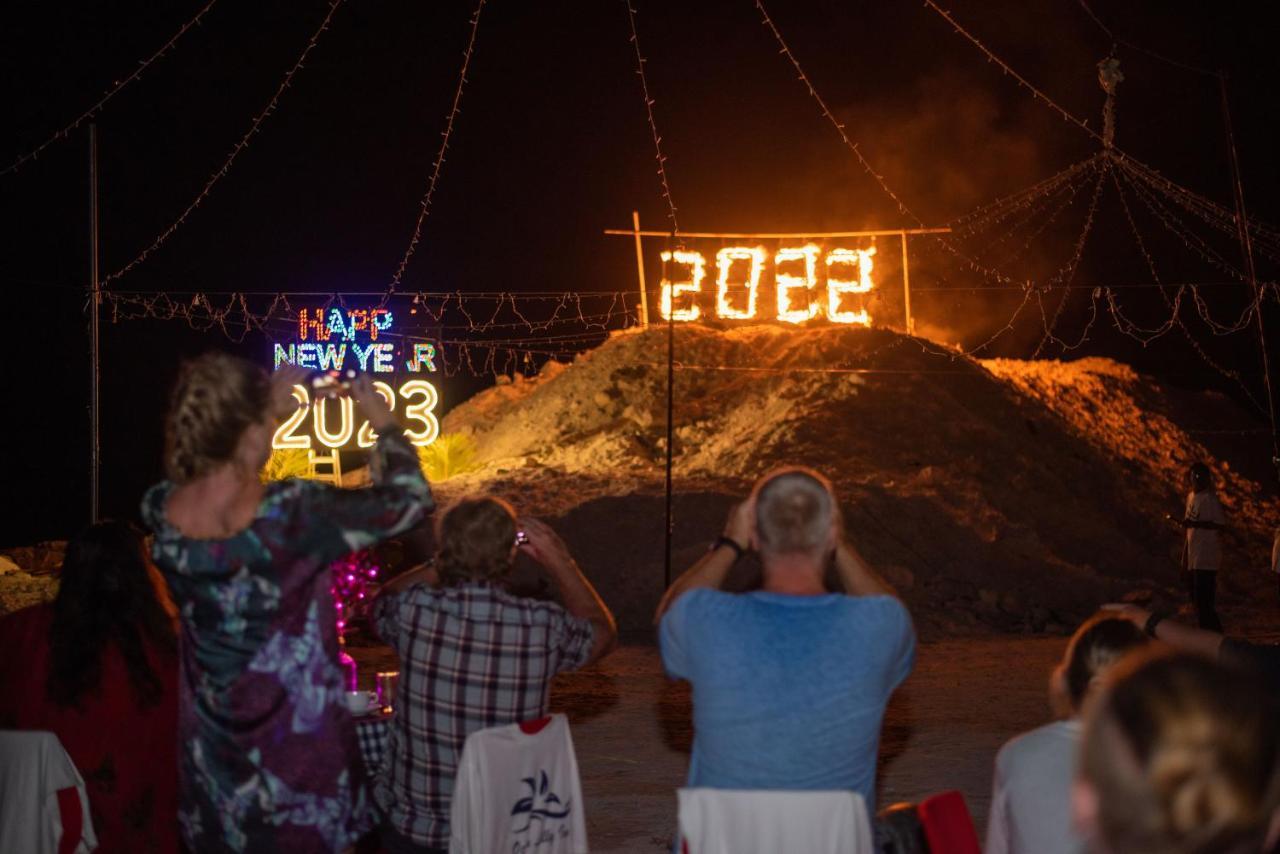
340, 339
797, 274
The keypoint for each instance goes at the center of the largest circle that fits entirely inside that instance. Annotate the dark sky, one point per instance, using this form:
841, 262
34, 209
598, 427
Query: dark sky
551, 147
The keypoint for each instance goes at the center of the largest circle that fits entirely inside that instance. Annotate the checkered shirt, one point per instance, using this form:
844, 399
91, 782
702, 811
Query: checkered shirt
471, 656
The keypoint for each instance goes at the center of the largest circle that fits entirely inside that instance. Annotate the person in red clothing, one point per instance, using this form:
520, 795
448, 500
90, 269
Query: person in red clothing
98, 667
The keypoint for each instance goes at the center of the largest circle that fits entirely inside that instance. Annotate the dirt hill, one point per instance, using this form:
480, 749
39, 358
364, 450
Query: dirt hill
996, 495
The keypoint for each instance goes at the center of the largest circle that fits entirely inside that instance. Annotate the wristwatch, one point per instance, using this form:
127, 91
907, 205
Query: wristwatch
722, 540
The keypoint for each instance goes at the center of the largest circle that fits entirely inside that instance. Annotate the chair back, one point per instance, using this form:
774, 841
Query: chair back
43, 805
517, 789
948, 828
723, 821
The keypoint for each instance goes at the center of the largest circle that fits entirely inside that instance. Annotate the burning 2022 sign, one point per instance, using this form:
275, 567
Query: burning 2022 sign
797, 294
361, 339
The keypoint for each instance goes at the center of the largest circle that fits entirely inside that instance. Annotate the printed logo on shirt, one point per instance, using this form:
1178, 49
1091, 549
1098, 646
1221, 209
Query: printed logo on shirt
539, 818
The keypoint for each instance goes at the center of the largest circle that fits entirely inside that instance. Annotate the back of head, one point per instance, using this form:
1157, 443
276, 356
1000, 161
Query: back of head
217, 396
1100, 642
476, 537
1201, 477
795, 510
108, 593
1183, 756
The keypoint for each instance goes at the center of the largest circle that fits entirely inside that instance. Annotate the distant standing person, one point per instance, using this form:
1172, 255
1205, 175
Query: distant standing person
1202, 551
790, 682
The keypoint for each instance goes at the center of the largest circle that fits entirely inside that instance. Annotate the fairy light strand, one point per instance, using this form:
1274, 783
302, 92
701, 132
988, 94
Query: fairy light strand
424, 206
97, 106
653, 124
240, 146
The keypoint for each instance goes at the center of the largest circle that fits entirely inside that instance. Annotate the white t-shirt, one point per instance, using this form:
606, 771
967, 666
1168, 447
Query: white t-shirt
1031, 799
1204, 549
722, 821
518, 793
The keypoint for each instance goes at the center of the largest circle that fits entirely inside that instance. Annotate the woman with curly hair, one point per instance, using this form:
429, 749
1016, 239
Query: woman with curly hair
98, 667
268, 759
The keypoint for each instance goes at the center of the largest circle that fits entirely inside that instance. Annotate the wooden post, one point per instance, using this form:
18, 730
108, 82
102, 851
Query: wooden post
644, 292
906, 287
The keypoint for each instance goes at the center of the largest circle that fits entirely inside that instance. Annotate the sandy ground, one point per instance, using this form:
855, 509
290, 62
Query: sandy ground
632, 730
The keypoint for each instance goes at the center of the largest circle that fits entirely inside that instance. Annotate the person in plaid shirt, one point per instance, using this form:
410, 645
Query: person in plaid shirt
472, 655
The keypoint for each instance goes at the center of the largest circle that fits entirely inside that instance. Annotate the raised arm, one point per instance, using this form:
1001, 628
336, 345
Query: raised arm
349, 520
856, 574
579, 596
712, 568
1178, 635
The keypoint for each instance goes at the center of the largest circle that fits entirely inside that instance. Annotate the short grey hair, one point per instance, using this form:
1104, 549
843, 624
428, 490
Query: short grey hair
795, 507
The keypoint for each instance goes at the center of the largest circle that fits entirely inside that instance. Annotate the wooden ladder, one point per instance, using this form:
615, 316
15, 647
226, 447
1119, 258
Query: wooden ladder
332, 460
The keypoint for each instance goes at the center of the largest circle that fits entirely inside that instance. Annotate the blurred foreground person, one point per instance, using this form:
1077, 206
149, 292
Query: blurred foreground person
98, 668
1204, 522
1181, 756
790, 682
269, 760
472, 655
1031, 798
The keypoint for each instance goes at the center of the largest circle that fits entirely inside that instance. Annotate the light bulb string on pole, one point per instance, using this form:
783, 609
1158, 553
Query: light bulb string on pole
97, 106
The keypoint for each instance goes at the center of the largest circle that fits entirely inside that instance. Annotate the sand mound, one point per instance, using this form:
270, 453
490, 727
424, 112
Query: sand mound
1003, 494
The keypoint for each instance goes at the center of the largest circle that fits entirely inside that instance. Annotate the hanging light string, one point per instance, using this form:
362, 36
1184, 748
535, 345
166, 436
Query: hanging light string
424, 206
235, 151
97, 106
1068, 271
1022, 81
1115, 40
830, 117
653, 124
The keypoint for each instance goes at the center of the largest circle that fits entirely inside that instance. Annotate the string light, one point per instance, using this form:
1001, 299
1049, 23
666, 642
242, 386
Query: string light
422, 412
860, 259
653, 124
788, 282
424, 206
754, 256
235, 151
671, 290
111, 93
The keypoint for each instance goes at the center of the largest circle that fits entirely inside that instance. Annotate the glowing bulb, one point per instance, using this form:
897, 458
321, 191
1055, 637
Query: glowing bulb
788, 282
671, 290
346, 421
724, 263
284, 437
838, 286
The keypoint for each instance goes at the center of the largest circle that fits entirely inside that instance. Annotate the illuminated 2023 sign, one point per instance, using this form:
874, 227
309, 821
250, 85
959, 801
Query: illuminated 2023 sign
338, 339
795, 283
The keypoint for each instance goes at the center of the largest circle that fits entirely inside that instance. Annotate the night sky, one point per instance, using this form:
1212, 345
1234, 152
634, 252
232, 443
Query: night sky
550, 148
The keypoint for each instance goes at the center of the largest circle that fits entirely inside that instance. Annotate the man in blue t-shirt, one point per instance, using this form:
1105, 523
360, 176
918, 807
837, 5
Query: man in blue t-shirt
790, 682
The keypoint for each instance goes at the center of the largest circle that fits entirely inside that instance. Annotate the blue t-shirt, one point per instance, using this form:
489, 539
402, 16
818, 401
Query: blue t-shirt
788, 691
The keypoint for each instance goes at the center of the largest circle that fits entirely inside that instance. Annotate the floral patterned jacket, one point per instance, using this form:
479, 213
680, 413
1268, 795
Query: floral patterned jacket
268, 759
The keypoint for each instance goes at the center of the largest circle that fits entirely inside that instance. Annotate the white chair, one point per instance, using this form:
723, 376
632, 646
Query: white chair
723, 821
517, 789
43, 805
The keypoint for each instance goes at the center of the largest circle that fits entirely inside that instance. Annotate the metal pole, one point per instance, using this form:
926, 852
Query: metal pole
671, 382
644, 293
95, 301
1246, 246
906, 287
